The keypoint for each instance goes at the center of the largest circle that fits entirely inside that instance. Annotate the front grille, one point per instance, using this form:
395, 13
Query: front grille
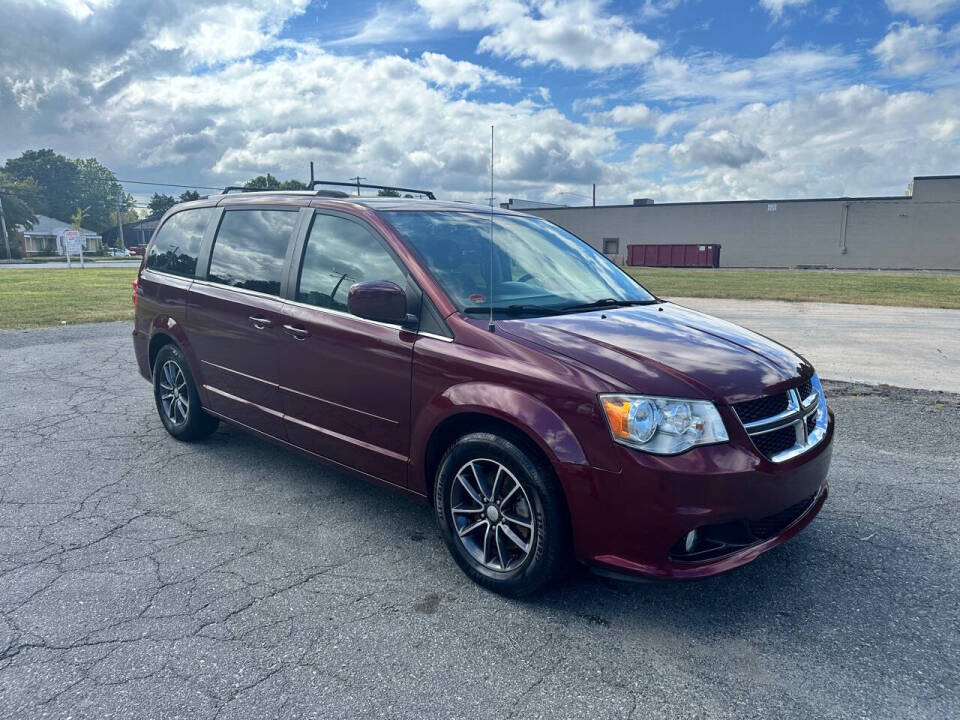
772, 524
781, 426
753, 410
775, 441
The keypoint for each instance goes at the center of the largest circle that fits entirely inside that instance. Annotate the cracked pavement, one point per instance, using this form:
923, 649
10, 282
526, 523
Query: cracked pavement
141, 577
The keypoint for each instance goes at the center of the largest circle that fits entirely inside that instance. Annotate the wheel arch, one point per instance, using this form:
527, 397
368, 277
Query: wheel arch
481, 407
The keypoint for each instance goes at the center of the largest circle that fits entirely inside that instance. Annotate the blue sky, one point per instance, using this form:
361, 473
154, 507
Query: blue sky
670, 99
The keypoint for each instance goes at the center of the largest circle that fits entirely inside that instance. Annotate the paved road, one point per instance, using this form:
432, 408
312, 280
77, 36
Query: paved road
144, 578
905, 347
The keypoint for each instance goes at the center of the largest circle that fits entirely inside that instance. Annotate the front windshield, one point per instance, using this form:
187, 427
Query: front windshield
537, 266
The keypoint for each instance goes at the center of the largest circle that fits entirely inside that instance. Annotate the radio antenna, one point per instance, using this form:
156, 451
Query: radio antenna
490, 325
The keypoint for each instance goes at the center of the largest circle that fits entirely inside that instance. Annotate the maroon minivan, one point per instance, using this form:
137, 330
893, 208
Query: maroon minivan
493, 365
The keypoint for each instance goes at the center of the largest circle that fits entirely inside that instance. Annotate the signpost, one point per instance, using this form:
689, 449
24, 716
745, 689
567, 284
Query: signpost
73, 243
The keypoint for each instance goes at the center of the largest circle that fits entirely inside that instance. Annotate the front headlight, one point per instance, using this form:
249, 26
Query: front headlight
662, 426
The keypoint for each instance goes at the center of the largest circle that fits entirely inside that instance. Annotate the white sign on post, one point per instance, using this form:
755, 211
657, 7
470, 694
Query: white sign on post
73, 244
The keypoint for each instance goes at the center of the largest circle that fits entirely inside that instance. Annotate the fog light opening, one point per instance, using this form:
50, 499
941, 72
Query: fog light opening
690, 541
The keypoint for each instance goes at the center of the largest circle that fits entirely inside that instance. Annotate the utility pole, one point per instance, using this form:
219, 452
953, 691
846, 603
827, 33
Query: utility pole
123, 245
594, 194
3, 227
311, 174
358, 179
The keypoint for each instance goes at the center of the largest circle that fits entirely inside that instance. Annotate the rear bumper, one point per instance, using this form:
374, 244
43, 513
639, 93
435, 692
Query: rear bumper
141, 349
632, 521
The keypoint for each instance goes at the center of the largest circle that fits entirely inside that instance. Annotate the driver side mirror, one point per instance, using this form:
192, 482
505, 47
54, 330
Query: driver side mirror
380, 300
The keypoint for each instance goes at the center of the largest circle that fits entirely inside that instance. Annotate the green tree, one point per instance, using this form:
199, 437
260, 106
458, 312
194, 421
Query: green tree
19, 200
388, 193
262, 182
159, 204
188, 195
269, 182
55, 176
64, 185
98, 190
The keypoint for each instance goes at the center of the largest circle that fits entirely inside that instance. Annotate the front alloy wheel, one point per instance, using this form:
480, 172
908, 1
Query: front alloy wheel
491, 512
502, 513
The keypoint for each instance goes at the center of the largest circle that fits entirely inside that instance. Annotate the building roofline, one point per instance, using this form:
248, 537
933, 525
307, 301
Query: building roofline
936, 177
732, 202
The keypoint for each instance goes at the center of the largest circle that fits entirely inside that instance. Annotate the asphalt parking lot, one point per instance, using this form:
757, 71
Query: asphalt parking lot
144, 578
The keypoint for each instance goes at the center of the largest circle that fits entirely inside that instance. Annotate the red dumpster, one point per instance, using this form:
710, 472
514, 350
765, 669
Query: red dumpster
674, 255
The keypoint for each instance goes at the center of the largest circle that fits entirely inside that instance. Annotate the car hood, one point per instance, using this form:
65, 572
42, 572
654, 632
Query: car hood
666, 349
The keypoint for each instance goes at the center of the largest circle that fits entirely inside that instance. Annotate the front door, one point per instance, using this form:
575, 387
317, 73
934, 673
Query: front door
345, 381
234, 317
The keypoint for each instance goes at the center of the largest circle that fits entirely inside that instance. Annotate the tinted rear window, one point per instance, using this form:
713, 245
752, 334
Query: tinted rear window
177, 244
250, 247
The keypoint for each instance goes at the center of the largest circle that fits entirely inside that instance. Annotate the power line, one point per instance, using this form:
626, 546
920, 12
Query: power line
159, 184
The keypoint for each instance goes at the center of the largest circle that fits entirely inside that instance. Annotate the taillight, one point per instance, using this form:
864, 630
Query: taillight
134, 294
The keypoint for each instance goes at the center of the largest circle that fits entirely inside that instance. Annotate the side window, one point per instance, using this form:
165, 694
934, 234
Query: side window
339, 253
177, 244
250, 248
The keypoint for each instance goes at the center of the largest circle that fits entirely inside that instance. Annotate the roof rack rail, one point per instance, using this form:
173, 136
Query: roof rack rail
314, 183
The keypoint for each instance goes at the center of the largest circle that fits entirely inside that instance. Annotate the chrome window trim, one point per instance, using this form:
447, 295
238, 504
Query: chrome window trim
341, 313
434, 336
308, 306
242, 291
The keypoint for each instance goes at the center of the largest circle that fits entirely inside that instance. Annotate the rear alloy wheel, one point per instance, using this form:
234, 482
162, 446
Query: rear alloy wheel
501, 513
178, 403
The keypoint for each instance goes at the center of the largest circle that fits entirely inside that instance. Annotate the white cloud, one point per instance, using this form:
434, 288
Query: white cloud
637, 115
776, 7
769, 77
226, 31
922, 9
572, 33
854, 141
250, 118
441, 70
389, 24
723, 148
917, 49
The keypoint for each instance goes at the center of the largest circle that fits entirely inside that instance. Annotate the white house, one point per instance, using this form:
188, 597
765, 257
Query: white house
46, 237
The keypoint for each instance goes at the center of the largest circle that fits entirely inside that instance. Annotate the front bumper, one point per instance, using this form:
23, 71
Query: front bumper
630, 522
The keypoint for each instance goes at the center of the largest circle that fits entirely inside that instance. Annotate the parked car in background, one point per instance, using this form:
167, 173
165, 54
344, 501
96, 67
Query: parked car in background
138, 249
119, 252
492, 365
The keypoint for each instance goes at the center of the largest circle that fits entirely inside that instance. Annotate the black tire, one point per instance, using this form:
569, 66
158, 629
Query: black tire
478, 455
188, 424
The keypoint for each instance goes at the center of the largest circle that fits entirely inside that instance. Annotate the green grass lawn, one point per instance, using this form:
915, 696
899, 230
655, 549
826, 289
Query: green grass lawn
867, 288
46, 297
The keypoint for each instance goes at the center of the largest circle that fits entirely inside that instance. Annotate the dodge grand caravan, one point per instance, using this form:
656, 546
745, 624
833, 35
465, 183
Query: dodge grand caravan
493, 365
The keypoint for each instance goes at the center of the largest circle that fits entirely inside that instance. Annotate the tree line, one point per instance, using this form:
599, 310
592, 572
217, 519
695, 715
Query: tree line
85, 193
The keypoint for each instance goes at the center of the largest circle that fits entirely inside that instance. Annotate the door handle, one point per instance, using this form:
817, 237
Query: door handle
261, 323
299, 333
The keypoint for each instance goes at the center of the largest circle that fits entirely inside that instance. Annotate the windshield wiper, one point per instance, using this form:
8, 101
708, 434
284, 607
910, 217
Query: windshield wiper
515, 310
607, 302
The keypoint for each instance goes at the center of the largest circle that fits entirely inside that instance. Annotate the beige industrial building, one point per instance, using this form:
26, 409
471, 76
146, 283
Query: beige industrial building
919, 230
